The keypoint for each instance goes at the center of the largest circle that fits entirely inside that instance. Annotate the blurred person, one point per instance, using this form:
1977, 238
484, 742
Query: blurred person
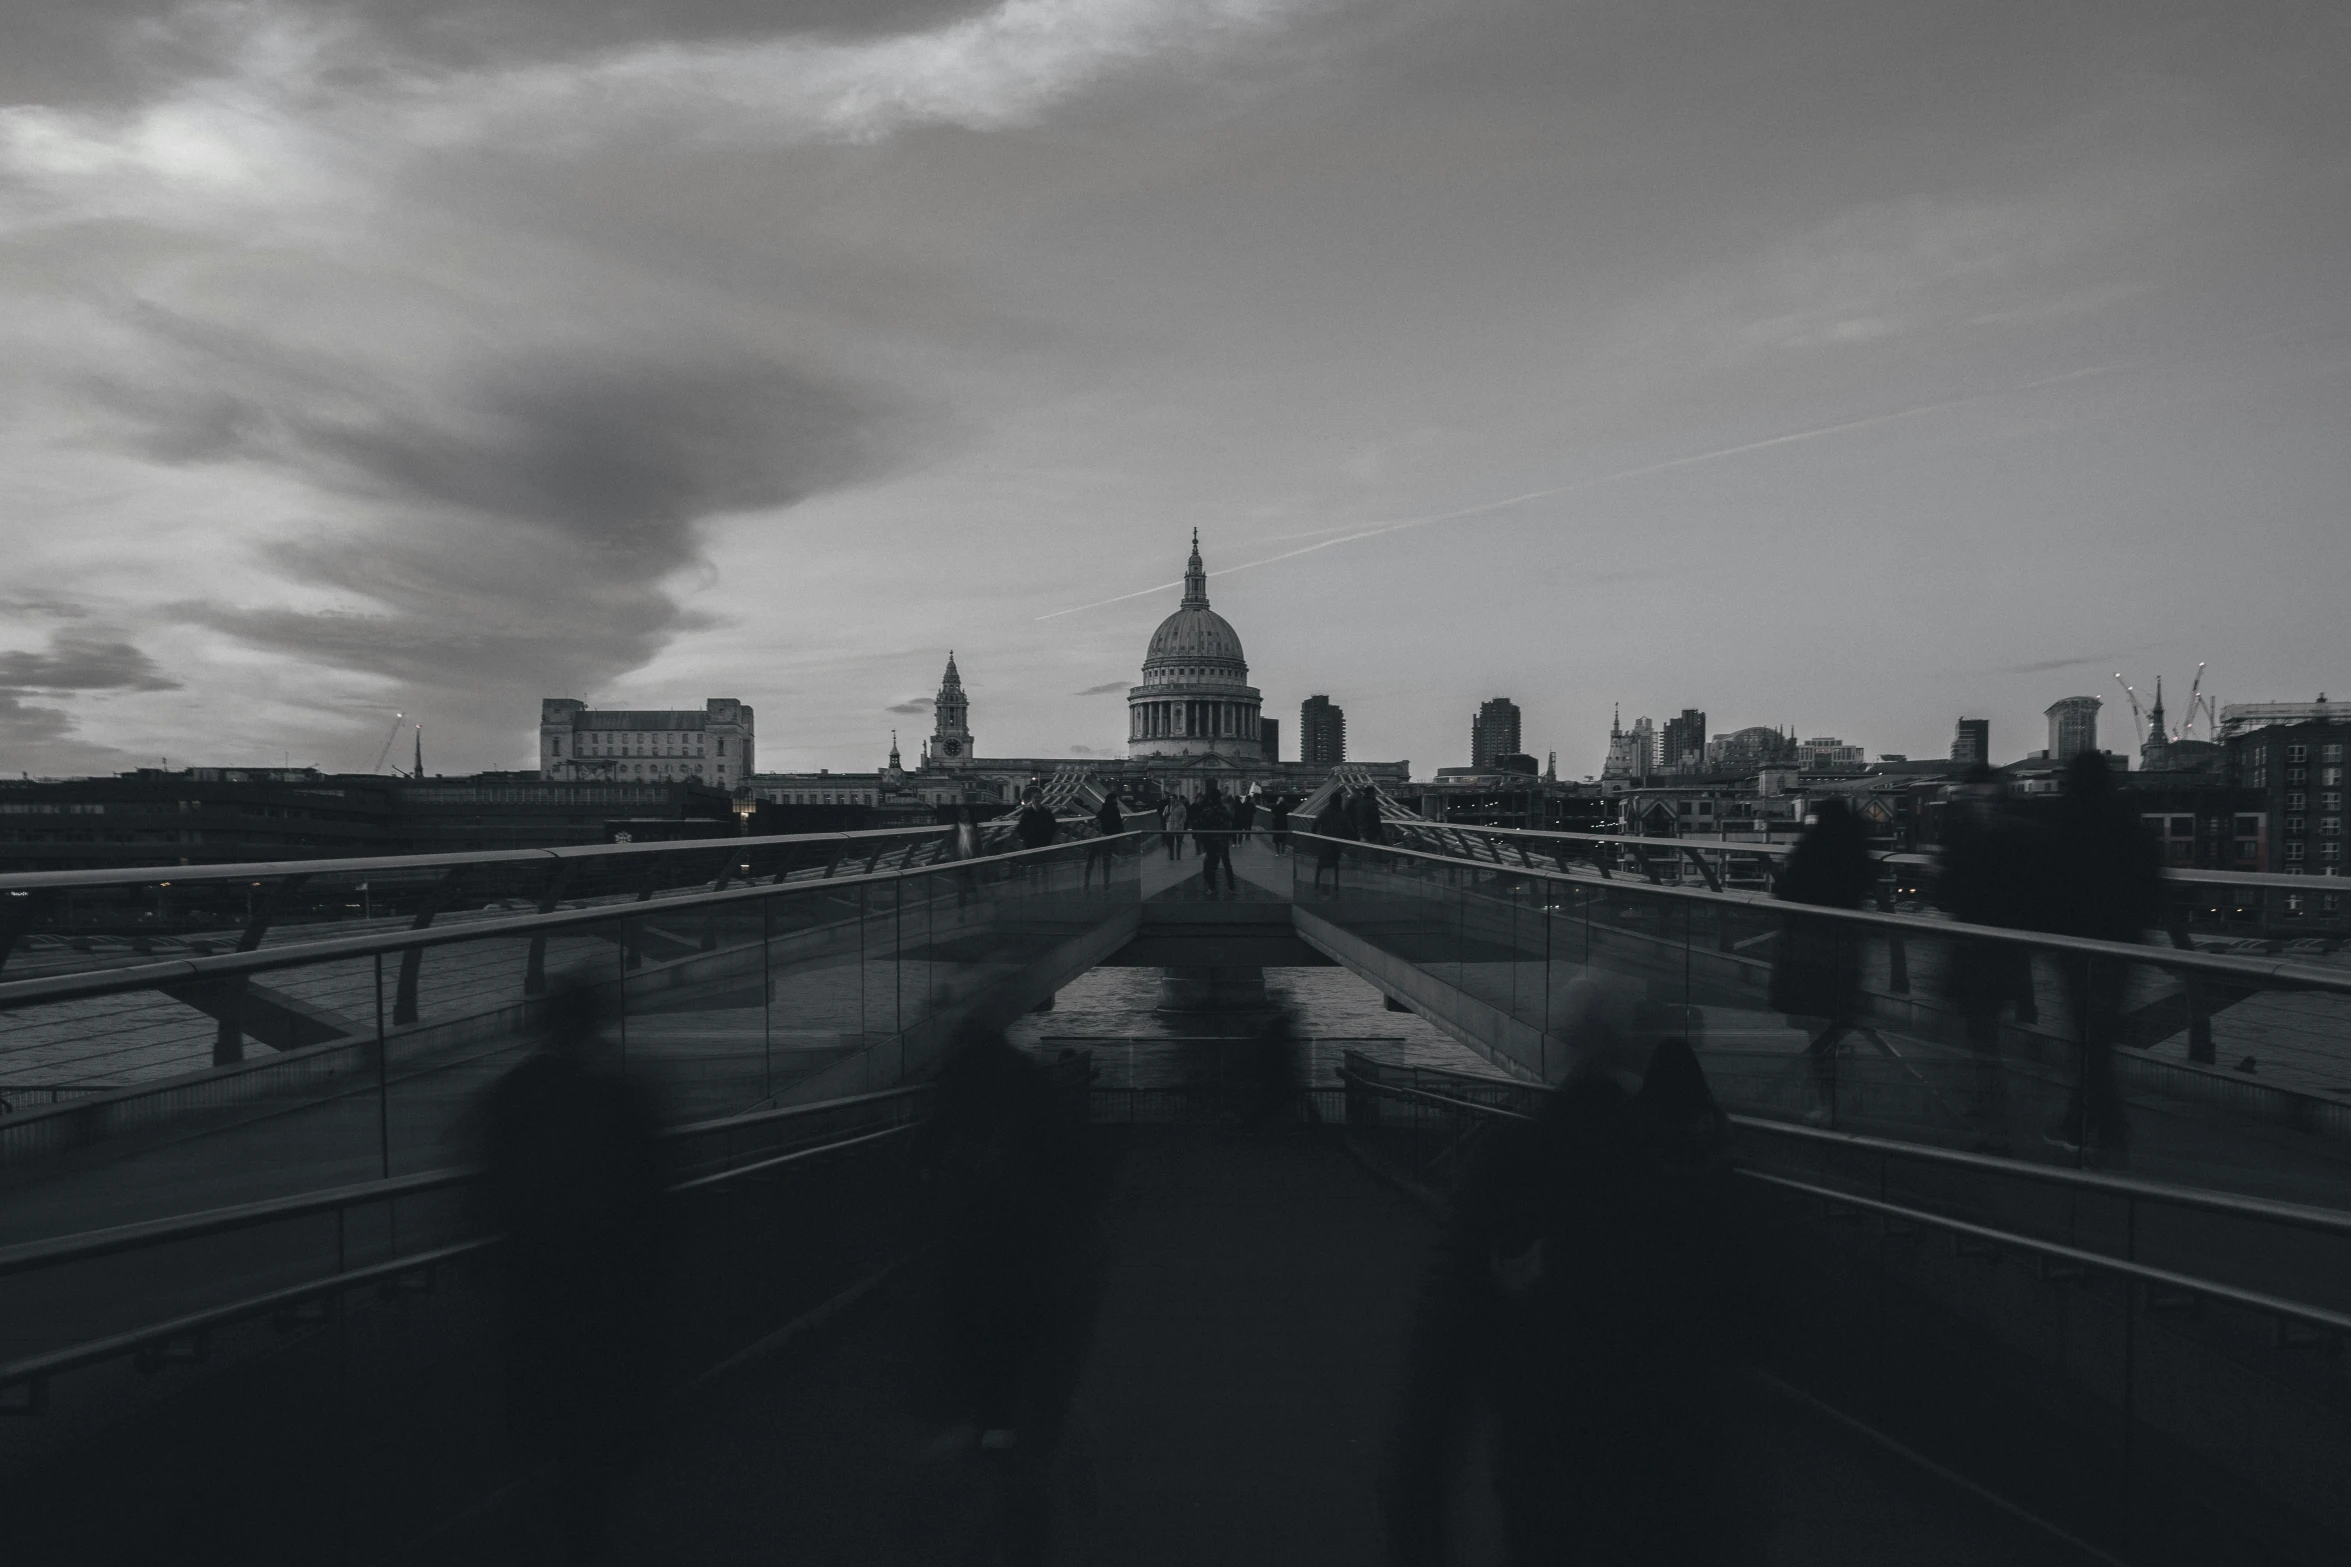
963, 846
1035, 827
1990, 872
1244, 812
1588, 1290
1011, 1189
1179, 819
1334, 824
1365, 806
1816, 972
2106, 885
1212, 822
576, 1183
1277, 822
1110, 823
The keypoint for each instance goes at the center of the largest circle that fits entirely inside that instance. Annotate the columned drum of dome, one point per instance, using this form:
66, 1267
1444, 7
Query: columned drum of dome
1195, 699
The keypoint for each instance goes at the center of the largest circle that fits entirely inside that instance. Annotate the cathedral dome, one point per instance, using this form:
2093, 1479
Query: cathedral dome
1195, 643
1196, 634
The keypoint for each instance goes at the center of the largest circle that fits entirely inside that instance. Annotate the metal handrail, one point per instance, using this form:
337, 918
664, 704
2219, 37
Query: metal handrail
33, 1370
26, 1256
175, 971
2266, 971
263, 870
1782, 850
2331, 1221
2164, 1278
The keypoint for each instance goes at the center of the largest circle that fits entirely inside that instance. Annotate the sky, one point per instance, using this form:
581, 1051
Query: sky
1849, 367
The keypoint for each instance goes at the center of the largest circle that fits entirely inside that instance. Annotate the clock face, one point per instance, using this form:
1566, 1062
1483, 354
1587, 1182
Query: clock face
952, 747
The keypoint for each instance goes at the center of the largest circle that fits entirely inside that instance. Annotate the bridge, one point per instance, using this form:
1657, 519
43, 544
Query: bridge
250, 1289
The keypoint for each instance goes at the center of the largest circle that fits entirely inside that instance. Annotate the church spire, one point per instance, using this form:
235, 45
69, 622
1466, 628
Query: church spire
1195, 577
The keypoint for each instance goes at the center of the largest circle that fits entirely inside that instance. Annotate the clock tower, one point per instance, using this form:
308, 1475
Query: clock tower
951, 735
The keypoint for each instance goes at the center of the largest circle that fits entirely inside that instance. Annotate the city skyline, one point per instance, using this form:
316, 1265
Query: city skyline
1855, 372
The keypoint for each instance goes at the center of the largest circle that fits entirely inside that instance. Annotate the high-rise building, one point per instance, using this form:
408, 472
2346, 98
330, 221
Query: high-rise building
1684, 741
1493, 732
2073, 727
1971, 742
713, 746
1269, 731
1322, 732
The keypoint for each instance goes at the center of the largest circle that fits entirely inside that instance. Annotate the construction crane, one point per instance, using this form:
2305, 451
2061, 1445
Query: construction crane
2211, 718
2138, 717
384, 755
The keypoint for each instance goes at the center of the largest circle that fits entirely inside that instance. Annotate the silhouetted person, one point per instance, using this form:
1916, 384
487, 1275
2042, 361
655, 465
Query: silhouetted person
1035, 827
1277, 822
1110, 822
1817, 969
1333, 821
2108, 886
1011, 1185
1244, 813
1993, 871
1179, 818
1212, 822
1589, 1290
575, 1181
1366, 815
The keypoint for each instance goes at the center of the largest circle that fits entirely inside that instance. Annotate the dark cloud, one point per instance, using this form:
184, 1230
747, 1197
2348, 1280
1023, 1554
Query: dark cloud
920, 704
2052, 665
511, 537
1104, 689
52, 608
83, 663
21, 724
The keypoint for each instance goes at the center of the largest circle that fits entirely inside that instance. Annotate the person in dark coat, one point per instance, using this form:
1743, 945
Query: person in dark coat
1590, 1288
1333, 822
1992, 868
2108, 877
1212, 822
1035, 827
1277, 822
1817, 969
576, 1183
1109, 823
1244, 812
1366, 815
1010, 1188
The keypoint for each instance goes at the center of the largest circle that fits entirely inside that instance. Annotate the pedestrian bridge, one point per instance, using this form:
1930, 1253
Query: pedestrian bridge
236, 1196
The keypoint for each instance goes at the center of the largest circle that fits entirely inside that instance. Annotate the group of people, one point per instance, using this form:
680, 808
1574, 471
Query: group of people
2084, 867
1348, 816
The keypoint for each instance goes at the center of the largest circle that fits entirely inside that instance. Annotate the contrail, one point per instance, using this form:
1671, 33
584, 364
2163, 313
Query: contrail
1620, 476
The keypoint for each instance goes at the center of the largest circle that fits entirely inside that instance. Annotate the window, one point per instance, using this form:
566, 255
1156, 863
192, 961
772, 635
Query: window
2248, 826
2330, 802
2296, 800
2330, 827
2293, 852
2297, 753
2297, 775
2294, 824
2330, 853
2331, 753
2330, 775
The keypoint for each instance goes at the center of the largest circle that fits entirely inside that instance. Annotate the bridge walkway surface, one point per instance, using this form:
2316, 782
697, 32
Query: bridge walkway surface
1233, 1409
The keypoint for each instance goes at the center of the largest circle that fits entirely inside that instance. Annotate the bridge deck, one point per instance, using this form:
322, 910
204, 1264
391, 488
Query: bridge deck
1232, 1408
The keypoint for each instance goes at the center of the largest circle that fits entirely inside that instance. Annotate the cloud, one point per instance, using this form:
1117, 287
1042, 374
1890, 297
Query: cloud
24, 725
2052, 665
83, 663
919, 704
1105, 688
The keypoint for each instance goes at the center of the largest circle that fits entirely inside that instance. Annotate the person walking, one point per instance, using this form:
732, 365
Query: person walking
1212, 828
2107, 886
1817, 971
1179, 820
574, 1171
1333, 824
1109, 825
1991, 861
1244, 812
1369, 828
1277, 822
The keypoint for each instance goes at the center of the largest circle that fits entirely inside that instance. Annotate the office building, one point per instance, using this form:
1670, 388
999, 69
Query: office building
1971, 742
1683, 746
1493, 732
1322, 732
578, 743
2073, 727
